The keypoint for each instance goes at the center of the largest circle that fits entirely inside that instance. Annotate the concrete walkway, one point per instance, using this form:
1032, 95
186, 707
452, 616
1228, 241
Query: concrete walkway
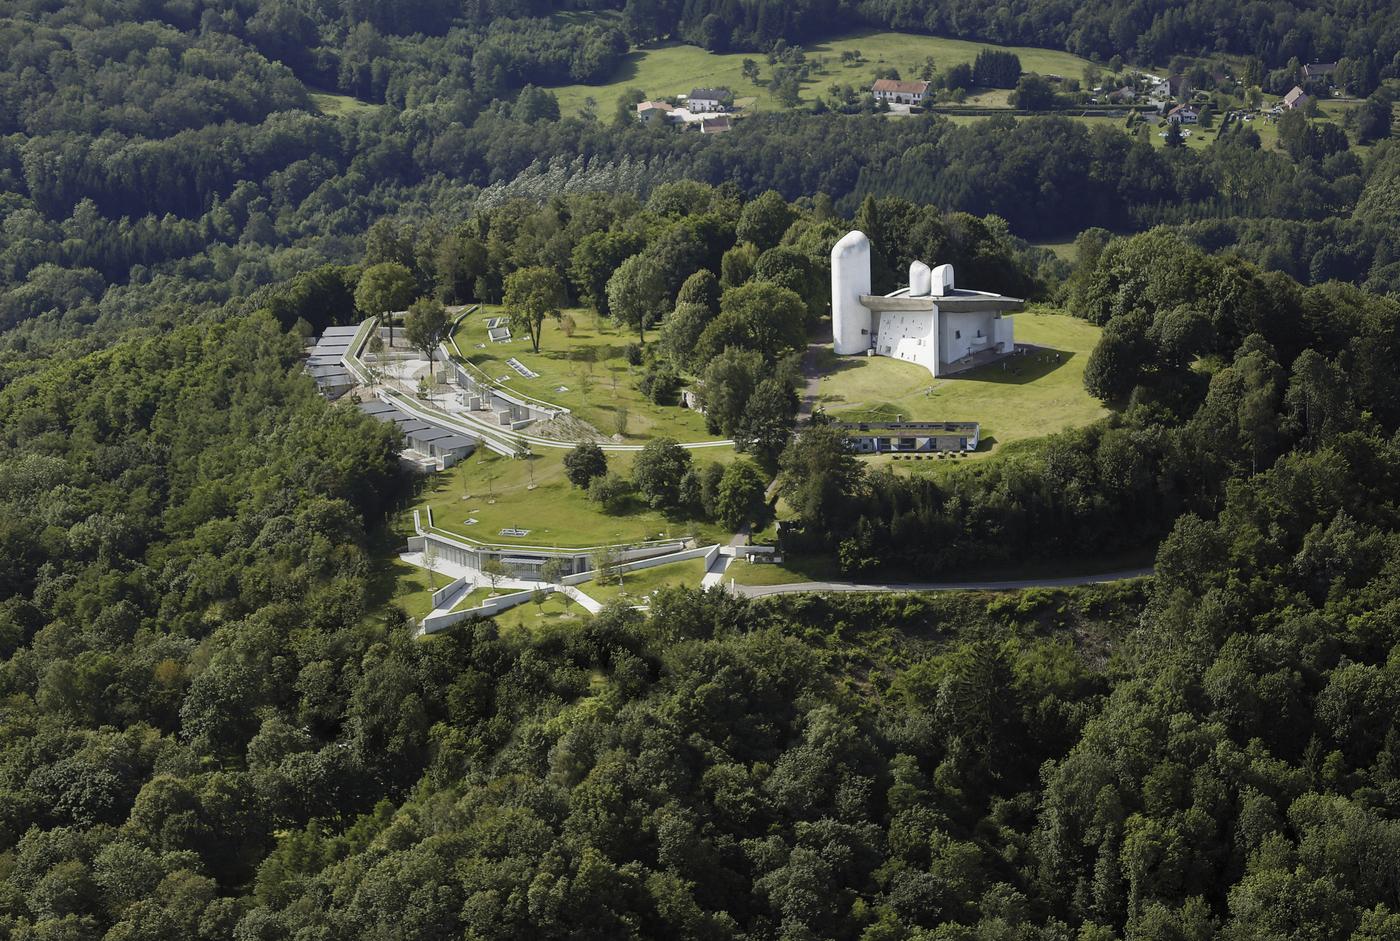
715, 574
586, 601
1018, 584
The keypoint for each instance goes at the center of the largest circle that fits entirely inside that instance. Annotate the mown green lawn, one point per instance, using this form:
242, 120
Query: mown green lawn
637, 586
1032, 396
591, 367
804, 569
495, 491
412, 589
529, 615
675, 69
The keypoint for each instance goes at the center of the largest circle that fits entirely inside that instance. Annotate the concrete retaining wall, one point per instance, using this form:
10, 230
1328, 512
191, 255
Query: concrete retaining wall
683, 555
436, 622
442, 594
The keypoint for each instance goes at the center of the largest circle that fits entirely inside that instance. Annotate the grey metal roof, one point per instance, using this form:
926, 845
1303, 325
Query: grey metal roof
409, 425
376, 407
453, 442
340, 331
431, 433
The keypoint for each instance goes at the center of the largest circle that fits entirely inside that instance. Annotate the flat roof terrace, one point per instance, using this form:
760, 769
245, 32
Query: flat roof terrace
947, 427
956, 299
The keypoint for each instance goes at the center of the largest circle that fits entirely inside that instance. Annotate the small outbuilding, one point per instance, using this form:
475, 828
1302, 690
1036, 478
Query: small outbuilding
649, 111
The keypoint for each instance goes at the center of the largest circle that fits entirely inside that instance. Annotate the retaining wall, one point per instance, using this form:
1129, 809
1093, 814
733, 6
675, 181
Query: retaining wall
436, 622
442, 594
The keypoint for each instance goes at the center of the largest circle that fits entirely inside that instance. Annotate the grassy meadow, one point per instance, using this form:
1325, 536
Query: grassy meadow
495, 491
1031, 397
674, 69
592, 368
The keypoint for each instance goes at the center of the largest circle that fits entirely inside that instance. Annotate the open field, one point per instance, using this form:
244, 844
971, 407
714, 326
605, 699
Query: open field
1032, 396
637, 586
675, 69
1062, 249
339, 105
590, 365
495, 491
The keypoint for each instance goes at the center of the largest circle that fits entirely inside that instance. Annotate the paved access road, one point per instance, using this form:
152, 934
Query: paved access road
759, 591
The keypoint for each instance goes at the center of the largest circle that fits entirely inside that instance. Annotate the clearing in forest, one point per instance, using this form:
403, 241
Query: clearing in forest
675, 69
1021, 397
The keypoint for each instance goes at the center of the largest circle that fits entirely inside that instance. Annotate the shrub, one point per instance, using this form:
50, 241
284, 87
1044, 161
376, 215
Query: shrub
660, 383
610, 491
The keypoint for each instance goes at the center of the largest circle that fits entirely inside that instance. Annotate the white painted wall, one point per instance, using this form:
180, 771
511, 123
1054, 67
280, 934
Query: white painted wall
962, 332
1005, 332
910, 336
850, 278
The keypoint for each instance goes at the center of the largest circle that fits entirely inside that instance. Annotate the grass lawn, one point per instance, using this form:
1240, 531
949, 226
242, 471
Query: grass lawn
411, 590
1033, 397
791, 569
528, 616
339, 105
556, 513
594, 391
479, 595
637, 586
1201, 138
675, 69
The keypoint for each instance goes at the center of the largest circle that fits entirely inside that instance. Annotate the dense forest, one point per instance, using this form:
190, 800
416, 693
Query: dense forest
217, 727
210, 733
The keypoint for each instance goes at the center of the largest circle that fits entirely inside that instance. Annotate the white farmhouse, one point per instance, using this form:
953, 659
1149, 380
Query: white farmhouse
901, 93
703, 100
931, 322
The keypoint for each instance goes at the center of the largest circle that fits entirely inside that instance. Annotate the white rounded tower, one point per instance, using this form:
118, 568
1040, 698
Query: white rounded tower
920, 280
850, 278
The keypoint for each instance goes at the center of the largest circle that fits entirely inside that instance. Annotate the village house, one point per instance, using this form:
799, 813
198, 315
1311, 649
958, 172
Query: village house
1319, 71
708, 100
717, 125
648, 111
1296, 98
902, 93
1183, 114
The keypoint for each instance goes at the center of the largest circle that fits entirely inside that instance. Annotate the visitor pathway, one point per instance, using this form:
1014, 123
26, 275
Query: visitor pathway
759, 591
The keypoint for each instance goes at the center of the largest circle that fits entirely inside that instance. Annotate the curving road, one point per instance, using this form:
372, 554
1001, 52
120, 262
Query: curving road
759, 591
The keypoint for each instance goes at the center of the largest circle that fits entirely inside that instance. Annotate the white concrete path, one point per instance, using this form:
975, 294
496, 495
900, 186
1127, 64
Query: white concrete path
588, 603
475, 579
715, 575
